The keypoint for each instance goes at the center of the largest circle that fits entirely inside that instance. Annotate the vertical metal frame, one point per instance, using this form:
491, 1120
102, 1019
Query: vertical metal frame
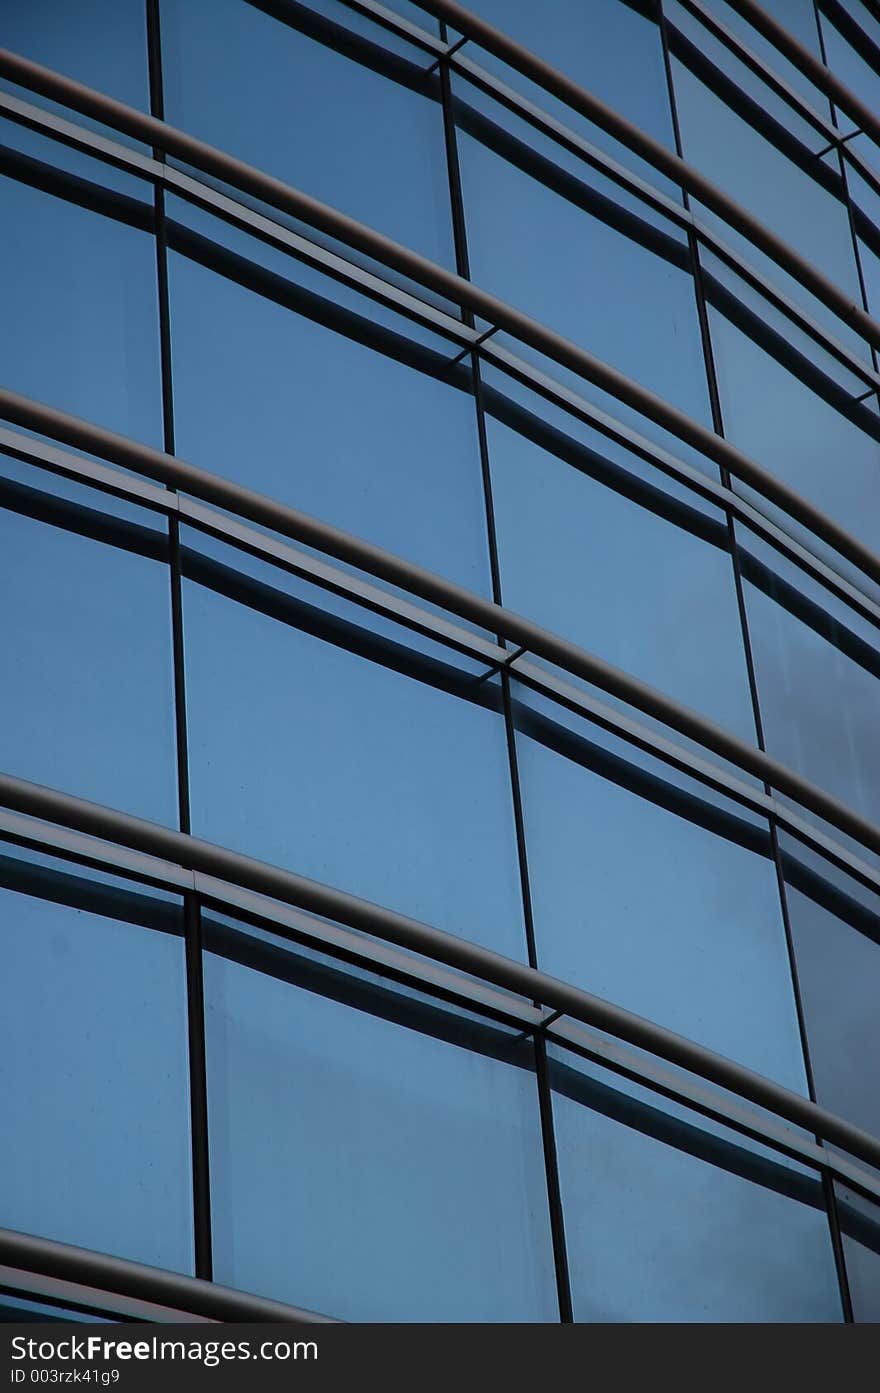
195, 996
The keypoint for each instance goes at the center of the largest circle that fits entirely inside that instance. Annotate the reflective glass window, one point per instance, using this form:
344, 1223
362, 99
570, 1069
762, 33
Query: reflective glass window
102, 43
611, 49
667, 1222
287, 383
331, 751
647, 894
87, 691
817, 665
793, 410
559, 241
598, 548
366, 1168
93, 1066
835, 926
860, 1230
351, 120
777, 176
80, 289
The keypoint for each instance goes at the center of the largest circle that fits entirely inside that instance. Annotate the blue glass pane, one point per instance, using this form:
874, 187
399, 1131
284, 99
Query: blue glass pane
309, 401
557, 240
817, 666
322, 108
860, 1228
81, 291
93, 1070
87, 692
102, 43
665, 1222
788, 189
593, 547
835, 926
312, 756
368, 1170
794, 412
647, 894
611, 49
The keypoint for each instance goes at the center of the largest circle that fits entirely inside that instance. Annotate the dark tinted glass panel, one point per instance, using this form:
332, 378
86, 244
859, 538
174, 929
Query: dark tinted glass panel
554, 239
646, 894
793, 410
667, 1222
93, 1068
102, 43
327, 110
352, 771
594, 547
321, 406
366, 1169
80, 289
817, 665
860, 1227
835, 927
87, 694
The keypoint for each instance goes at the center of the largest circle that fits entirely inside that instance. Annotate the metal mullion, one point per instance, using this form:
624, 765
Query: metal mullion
800, 1018
196, 1051
545, 1108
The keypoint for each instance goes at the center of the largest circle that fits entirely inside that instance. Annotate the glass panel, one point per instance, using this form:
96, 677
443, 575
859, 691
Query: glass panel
81, 291
778, 179
323, 108
666, 1221
87, 692
102, 43
860, 1227
793, 410
611, 49
835, 926
93, 1067
596, 547
557, 240
364, 1168
298, 389
647, 894
817, 666
331, 751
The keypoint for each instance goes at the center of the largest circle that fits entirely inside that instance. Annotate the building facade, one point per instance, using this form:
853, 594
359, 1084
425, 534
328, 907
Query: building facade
440, 468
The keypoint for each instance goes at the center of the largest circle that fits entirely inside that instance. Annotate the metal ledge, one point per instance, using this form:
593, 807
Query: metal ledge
155, 1285
365, 556
463, 293
206, 858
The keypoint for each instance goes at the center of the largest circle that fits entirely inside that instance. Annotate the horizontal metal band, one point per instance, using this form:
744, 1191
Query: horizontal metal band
432, 625
427, 976
157, 1285
817, 73
435, 589
564, 88
385, 292
95, 820
444, 283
